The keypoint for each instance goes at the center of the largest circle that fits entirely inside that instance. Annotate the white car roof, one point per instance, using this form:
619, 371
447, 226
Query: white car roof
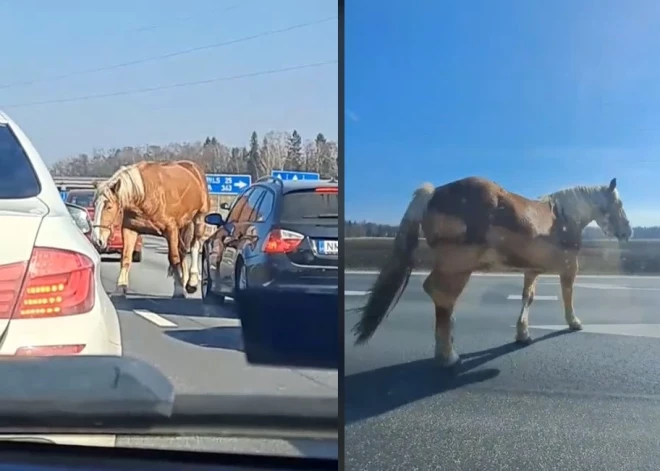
49, 194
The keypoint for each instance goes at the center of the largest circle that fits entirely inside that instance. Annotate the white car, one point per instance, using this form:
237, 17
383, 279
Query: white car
52, 301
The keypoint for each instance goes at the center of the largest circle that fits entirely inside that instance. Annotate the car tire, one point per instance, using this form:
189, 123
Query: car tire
240, 278
137, 257
208, 296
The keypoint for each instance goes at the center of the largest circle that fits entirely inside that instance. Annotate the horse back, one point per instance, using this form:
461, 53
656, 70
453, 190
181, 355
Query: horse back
175, 189
475, 210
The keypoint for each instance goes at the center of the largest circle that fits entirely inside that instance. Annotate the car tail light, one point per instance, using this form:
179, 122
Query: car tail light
326, 190
49, 350
57, 283
11, 277
282, 241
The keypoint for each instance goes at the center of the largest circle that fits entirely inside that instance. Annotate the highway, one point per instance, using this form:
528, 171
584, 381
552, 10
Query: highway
581, 400
199, 349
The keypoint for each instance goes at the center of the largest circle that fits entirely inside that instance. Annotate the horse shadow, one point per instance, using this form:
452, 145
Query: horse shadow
185, 307
225, 338
220, 337
375, 392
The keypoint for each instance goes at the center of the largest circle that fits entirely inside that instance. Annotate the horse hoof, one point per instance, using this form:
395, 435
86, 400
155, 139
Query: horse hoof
450, 363
120, 292
524, 340
179, 296
191, 289
575, 326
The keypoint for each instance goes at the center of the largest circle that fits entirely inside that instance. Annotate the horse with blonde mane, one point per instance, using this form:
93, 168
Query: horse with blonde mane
473, 224
167, 199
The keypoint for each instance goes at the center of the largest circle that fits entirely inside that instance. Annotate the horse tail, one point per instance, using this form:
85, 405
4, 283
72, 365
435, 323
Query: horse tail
395, 274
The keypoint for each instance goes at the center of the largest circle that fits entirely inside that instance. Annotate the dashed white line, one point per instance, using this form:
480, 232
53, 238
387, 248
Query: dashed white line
518, 297
631, 330
517, 275
355, 293
610, 287
154, 318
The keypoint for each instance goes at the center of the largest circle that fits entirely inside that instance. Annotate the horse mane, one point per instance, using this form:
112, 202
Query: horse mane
131, 186
576, 203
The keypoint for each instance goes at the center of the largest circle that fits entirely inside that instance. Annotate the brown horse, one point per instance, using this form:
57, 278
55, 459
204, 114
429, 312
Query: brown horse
473, 224
168, 199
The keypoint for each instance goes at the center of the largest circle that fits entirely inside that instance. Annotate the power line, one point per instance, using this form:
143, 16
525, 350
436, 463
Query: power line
186, 18
167, 56
175, 85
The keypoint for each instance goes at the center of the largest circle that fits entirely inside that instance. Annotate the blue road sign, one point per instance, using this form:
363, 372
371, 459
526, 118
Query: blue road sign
227, 184
287, 175
64, 194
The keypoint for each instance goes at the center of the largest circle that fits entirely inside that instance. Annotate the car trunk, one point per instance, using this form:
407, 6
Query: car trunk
314, 214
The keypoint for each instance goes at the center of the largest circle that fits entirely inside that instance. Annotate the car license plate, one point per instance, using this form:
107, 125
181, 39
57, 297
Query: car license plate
328, 247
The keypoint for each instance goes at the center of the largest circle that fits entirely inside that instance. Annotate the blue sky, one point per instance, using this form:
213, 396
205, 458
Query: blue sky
45, 39
537, 96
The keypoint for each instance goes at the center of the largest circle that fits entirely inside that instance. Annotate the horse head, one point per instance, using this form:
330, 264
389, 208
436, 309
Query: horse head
610, 215
120, 191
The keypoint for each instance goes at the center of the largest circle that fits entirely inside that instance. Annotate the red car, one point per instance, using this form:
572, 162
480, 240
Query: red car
85, 198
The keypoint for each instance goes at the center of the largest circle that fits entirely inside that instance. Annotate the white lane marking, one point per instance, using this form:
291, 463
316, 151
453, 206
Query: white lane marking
517, 275
356, 293
537, 297
154, 318
609, 287
207, 322
630, 330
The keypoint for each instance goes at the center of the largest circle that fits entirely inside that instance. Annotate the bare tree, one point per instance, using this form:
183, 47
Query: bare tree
278, 151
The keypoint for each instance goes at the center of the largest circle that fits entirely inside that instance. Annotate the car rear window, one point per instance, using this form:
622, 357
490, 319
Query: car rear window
310, 206
86, 199
17, 178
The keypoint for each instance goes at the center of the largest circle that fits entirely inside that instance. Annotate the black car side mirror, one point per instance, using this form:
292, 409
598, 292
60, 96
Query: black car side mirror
214, 219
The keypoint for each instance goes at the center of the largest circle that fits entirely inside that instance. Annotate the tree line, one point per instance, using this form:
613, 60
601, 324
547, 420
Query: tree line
372, 229
274, 151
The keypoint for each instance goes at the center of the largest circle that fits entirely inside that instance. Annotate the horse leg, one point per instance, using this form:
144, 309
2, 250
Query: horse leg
444, 289
129, 238
567, 280
529, 288
198, 235
174, 257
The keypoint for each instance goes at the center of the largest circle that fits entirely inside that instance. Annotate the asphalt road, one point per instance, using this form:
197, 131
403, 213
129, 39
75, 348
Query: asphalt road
199, 349
583, 400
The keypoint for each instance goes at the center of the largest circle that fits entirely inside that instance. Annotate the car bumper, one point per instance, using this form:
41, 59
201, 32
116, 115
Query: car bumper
285, 287
280, 274
82, 334
290, 328
99, 337
114, 249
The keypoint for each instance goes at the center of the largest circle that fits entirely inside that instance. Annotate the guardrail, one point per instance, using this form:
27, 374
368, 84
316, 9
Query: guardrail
78, 183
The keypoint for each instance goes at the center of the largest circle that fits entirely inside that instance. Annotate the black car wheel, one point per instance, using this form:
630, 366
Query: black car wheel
240, 278
208, 296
